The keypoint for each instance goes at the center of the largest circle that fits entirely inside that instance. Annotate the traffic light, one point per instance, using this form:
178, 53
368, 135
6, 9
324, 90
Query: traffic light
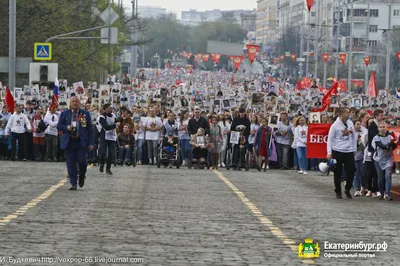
44, 75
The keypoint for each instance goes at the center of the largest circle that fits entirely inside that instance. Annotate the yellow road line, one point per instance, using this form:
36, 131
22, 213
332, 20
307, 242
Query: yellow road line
21, 211
263, 219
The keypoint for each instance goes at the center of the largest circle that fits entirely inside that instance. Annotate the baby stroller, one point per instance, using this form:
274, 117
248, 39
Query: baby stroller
169, 152
238, 155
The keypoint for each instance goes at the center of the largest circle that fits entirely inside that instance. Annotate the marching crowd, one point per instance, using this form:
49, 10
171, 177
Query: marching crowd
359, 142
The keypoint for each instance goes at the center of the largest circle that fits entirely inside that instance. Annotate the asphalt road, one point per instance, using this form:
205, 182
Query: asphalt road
168, 216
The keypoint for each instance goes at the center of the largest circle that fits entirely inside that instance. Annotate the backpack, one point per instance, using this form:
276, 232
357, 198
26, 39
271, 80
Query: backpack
41, 126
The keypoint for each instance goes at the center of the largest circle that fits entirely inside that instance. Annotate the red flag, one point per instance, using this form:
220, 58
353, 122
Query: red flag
327, 97
253, 49
367, 59
322, 89
217, 57
9, 101
371, 90
342, 85
325, 57
398, 55
237, 60
205, 57
299, 86
342, 57
309, 4
293, 56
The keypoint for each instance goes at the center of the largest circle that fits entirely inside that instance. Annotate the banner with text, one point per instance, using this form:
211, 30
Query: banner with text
317, 139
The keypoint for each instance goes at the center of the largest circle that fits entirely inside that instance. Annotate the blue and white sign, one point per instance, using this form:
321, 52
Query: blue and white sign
42, 51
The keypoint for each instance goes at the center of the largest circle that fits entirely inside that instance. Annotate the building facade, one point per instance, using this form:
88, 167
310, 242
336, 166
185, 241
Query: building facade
369, 32
266, 25
151, 11
194, 17
248, 21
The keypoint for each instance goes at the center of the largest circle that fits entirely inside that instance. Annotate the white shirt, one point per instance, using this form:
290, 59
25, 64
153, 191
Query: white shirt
339, 142
252, 137
112, 133
300, 136
51, 121
17, 124
140, 133
152, 122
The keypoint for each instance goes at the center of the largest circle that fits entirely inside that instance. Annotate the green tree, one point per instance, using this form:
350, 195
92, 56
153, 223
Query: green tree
168, 34
78, 59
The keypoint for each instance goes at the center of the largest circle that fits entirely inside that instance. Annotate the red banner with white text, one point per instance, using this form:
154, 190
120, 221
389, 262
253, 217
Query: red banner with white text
317, 140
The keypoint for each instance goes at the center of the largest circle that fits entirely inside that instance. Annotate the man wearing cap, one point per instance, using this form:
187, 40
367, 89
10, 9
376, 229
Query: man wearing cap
77, 139
283, 140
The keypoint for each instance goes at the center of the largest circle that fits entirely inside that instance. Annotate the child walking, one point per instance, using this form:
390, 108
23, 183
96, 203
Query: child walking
383, 145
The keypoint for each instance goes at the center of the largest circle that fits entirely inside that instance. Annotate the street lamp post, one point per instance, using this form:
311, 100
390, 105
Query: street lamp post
351, 46
389, 46
157, 58
12, 44
366, 46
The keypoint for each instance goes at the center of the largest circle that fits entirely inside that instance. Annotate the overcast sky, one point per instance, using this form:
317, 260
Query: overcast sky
176, 6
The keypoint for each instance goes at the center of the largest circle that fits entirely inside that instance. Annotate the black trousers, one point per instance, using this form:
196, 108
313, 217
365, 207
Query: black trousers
110, 147
239, 155
29, 147
346, 159
21, 145
199, 153
371, 176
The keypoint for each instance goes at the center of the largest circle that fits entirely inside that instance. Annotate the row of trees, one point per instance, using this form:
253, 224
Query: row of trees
89, 59
78, 59
168, 34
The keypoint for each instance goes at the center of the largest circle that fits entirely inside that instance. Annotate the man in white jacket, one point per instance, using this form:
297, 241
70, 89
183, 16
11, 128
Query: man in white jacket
342, 143
51, 120
16, 128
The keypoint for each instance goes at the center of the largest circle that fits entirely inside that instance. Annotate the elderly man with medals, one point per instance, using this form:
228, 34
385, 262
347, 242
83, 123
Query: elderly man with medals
77, 139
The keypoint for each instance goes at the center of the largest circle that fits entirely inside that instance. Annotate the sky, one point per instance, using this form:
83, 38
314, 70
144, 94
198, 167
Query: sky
176, 6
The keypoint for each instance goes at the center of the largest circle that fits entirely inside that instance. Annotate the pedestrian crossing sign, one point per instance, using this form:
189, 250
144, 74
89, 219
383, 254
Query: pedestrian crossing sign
42, 51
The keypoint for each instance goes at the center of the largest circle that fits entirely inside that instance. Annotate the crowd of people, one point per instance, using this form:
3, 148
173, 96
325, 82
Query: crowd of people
126, 134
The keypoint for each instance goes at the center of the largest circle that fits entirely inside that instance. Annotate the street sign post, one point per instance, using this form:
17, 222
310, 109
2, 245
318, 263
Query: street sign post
112, 39
42, 51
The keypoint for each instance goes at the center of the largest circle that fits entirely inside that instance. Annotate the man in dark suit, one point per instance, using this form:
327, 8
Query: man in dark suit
77, 139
